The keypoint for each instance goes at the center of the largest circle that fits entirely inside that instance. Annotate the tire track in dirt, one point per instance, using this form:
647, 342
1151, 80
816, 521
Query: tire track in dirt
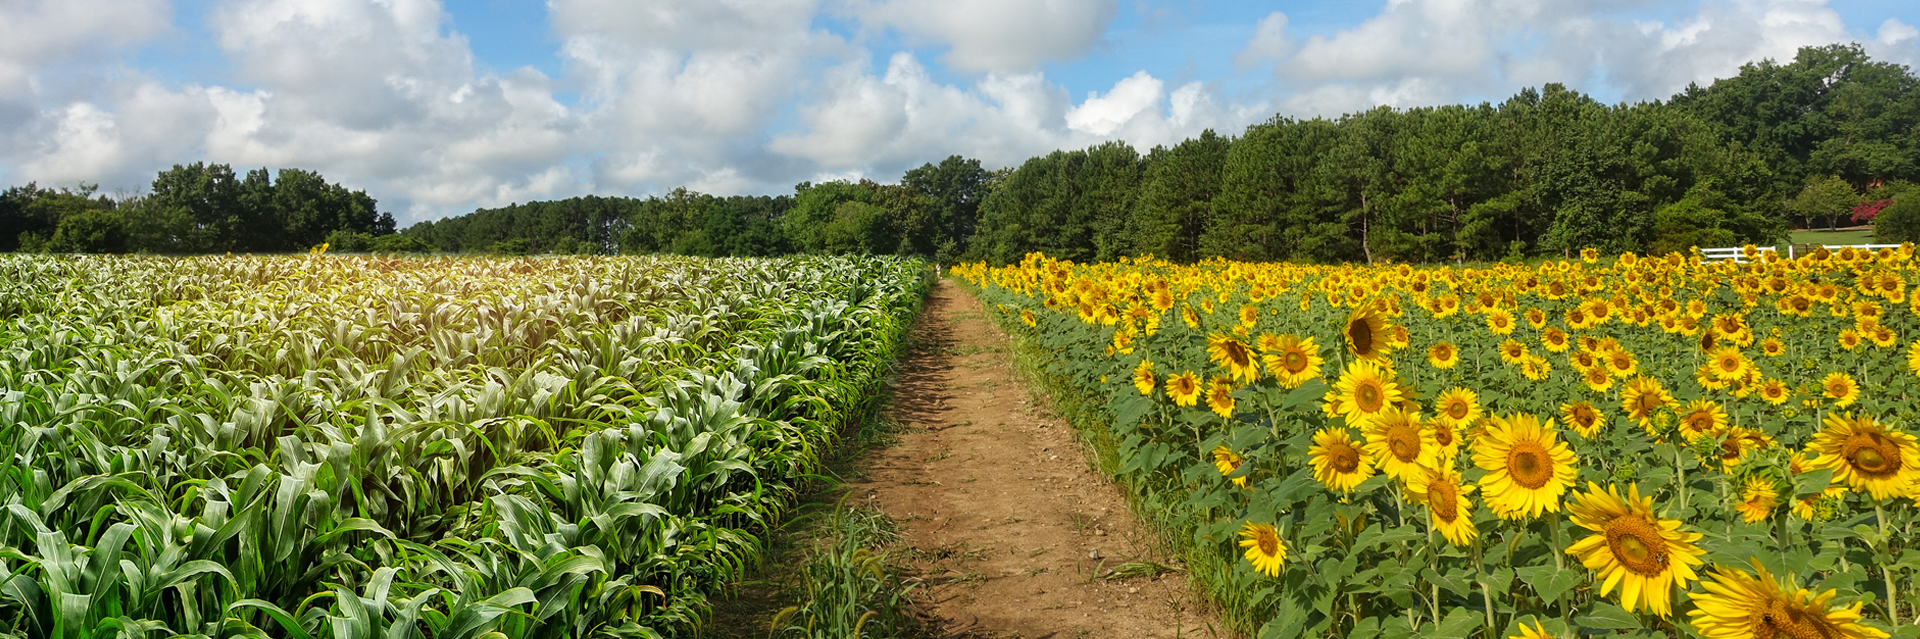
1011, 528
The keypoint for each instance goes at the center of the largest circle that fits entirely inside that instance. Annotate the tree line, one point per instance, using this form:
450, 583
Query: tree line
1827, 138
198, 208
1548, 171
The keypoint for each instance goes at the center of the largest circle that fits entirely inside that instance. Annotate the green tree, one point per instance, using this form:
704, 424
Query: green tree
1825, 198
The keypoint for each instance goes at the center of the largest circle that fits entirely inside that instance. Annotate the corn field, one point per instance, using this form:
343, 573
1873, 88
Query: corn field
326, 446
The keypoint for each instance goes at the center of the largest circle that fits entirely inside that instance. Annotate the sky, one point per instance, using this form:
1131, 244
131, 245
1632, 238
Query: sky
436, 108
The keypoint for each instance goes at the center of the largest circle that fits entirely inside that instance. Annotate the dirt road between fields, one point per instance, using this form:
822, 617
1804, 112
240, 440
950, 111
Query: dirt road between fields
1011, 529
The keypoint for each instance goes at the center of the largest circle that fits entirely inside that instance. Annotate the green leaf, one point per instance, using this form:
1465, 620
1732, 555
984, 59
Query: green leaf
1460, 622
1551, 582
1812, 482
1606, 616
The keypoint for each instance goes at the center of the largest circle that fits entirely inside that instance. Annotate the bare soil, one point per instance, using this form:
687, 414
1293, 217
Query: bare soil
1012, 531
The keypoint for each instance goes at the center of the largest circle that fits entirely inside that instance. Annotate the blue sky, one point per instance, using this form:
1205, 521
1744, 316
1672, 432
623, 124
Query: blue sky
437, 107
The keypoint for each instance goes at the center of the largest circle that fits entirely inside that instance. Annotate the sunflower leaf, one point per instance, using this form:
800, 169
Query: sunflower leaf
1606, 616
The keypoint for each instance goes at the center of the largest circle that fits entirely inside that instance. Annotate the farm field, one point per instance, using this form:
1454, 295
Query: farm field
1622, 446
342, 446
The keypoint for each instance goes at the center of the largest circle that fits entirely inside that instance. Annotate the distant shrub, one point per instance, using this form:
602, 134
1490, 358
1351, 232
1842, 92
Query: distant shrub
1899, 221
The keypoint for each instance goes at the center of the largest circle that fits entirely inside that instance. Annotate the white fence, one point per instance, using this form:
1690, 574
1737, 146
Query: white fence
1737, 254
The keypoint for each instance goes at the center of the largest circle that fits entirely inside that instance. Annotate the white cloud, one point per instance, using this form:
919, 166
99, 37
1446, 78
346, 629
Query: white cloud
682, 91
996, 35
1897, 42
1424, 52
1269, 42
1102, 115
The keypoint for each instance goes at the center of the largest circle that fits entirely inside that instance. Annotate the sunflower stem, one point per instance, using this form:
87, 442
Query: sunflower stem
1680, 472
1888, 572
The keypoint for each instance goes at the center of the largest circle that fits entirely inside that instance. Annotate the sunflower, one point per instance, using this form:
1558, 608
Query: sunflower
1500, 321
1727, 363
1555, 340
1644, 555
1850, 339
1398, 445
1597, 379
1143, 379
1737, 441
1700, 417
1184, 389
1228, 461
1446, 442
1249, 315
1365, 390
1584, 418
1265, 550
1443, 355
1913, 357
1737, 605
1457, 407
1026, 317
1620, 363
1365, 333
1294, 360
1759, 497
1528, 467
1220, 397
1535, 367
1338, 461
1190, 318
1772, 347
1512, 352
1234, 355
1774, 392
1840, 388
1866, 456
1441, 491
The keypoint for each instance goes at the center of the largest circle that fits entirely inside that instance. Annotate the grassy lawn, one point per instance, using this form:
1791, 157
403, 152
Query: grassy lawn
1863, 236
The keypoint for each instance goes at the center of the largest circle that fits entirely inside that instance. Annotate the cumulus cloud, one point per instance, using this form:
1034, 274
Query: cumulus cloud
1423, 52
996, 35
1269, 42
682, 91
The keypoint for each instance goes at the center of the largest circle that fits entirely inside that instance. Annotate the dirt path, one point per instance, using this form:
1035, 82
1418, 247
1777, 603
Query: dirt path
1011, 528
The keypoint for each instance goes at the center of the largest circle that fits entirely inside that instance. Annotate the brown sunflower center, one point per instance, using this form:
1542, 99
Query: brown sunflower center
1369, 397
1584, 416
1237, 354
1293, 361
1443, 352
1529, 465
1872, 455
1184, 386
1730, 365
1458, 409
1837, 388
1442, 434
1637, 544
1779, 620
1343, 458
1404, 442
1444, 499
1360, 335
1698, 421
1268, 542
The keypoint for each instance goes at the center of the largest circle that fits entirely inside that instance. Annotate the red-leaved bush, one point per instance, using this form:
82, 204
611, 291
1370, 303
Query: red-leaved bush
1866, 210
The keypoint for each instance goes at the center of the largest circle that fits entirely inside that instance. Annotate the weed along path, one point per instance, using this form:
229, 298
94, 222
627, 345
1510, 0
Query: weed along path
1011, 530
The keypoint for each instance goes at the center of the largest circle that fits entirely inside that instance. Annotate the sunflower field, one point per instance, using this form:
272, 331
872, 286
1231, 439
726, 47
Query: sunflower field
1620, 446
365, 447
